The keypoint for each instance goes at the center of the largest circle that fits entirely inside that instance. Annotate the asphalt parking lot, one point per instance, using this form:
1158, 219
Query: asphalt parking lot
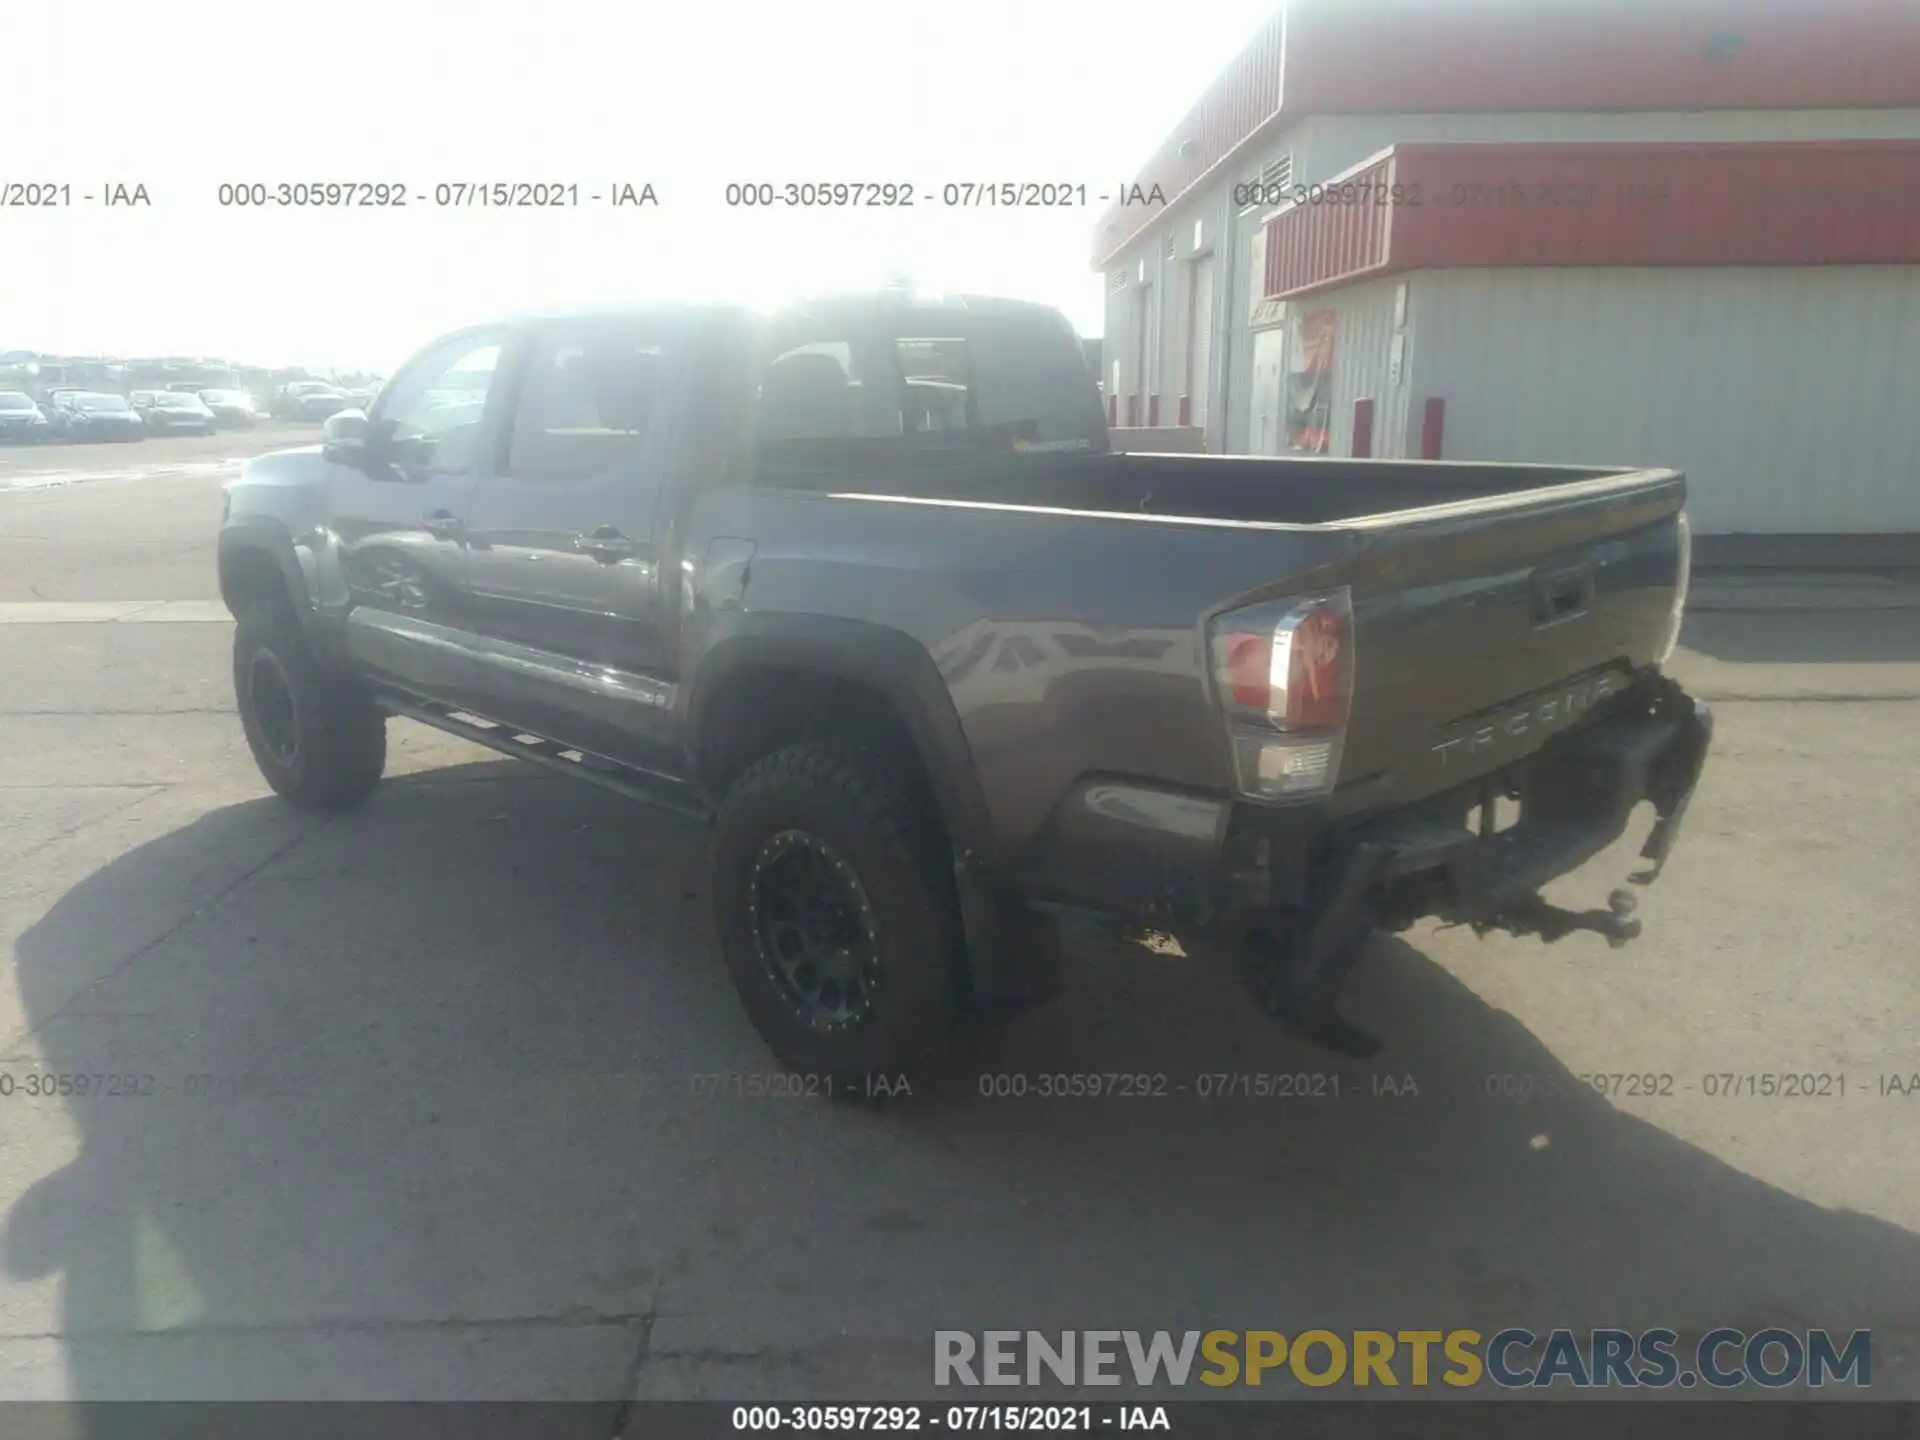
450, 1098
57, 465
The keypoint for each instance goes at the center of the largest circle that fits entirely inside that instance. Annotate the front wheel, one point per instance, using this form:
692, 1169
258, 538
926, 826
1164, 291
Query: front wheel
836, 914
319, 739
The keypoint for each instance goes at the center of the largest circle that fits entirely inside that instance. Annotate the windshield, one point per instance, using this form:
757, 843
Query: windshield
312, 388
13, 400
103, 403
223, 397
172, 400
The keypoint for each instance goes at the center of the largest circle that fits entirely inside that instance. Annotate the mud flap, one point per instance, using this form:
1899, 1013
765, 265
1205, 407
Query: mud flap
1674, 786
1296, 973
1013, 951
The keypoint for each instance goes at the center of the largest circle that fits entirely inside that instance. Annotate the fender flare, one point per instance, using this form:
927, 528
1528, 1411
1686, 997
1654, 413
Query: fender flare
265, 535
889, 661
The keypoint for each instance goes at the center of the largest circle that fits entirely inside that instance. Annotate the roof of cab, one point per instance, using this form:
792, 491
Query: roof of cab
842, 301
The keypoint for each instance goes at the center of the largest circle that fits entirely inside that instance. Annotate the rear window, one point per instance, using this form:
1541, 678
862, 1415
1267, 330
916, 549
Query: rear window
924, 383
14, 400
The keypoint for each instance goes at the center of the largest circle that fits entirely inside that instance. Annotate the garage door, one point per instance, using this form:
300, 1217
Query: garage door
1200, 328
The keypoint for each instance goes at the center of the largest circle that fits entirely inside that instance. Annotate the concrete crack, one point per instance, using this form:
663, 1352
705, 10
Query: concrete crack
643, 1352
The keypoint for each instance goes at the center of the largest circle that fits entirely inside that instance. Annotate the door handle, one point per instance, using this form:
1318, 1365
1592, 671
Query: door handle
606, 544
1565, 596
444, 524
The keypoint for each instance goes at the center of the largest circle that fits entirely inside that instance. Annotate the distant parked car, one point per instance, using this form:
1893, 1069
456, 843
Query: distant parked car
173, 412
86, 415
21, 419
309, 400
232, 409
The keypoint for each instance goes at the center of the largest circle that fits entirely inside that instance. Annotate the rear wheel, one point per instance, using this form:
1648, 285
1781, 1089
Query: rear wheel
836, 913
319, 739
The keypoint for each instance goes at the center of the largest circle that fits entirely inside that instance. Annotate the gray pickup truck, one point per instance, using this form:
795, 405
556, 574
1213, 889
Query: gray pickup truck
862, 587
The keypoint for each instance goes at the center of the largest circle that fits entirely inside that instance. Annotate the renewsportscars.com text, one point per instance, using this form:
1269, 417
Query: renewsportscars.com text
1603, 1358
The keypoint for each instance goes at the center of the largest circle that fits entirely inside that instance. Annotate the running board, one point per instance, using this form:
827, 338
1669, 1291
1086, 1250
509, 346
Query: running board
626, 780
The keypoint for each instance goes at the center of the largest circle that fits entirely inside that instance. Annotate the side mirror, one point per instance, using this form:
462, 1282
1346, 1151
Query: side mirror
346, 435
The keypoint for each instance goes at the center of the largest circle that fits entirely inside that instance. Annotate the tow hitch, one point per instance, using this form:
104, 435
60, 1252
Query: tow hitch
1534, 916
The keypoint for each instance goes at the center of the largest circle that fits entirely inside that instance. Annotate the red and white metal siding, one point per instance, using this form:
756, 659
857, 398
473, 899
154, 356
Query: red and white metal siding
1756, 203
1785, 394
1326, 145
1338, 58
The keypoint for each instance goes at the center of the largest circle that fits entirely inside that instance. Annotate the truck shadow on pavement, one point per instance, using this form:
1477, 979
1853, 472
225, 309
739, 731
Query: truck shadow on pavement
451, 1099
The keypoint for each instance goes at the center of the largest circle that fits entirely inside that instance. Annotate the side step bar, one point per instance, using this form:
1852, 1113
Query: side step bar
626, 780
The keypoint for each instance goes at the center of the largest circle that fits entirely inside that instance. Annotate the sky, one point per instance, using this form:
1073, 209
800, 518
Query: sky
688, 97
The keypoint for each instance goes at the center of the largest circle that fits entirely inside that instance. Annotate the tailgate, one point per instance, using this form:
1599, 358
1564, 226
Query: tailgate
1486, 627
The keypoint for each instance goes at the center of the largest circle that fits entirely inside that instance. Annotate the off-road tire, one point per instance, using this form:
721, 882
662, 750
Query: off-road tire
857, 802
339, 748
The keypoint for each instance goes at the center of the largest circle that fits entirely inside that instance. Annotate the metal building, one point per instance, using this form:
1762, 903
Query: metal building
1679, 234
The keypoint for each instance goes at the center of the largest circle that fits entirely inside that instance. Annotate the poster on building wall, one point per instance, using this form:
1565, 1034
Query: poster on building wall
1310, 383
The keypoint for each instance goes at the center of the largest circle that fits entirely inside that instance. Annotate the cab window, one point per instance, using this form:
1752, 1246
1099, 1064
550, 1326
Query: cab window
431, 414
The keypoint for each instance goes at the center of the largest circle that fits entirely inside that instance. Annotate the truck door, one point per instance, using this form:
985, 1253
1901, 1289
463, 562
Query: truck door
400, 515
564, 570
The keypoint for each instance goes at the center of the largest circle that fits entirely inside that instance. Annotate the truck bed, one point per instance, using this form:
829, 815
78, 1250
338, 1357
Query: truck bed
1277, 490
1475, 587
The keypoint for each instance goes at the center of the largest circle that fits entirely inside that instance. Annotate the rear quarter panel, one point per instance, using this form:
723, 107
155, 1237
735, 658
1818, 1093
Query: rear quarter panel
1071, 644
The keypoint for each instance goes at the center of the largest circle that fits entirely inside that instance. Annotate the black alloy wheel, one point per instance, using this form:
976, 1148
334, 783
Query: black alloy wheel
834, 902
815, 930
271, 696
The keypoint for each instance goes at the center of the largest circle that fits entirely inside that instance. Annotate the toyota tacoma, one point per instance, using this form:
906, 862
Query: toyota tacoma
862, 587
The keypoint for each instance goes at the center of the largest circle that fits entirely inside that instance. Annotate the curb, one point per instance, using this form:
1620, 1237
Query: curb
1815, 607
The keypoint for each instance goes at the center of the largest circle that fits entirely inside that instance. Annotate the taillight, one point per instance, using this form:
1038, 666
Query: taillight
1284, 672
1677, 615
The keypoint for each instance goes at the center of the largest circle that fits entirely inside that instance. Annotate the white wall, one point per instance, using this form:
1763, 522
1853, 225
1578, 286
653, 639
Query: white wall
1362, 352
1171, 278
1787, 394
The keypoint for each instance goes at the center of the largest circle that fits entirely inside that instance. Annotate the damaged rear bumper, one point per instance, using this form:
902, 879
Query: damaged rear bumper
1575, 799
1296, 891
